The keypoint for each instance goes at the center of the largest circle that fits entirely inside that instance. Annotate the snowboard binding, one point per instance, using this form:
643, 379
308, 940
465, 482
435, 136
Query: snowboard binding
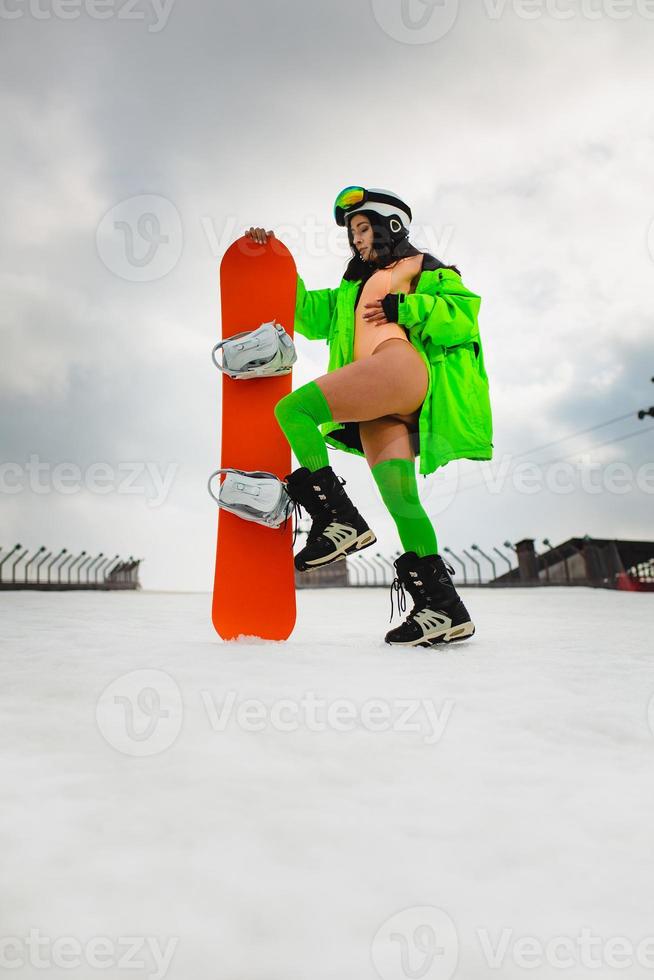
265, 352
254, 496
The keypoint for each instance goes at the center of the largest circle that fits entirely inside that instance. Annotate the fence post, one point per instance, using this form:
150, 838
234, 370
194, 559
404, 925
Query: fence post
502, 555
7, 557
475, 562
379, 565
475, 547
71, 567
89, 567
38, 567
390, 565
351, 565
13, 567
29, 563
461, 563
80, 567
62, 566
113, 563
53, 563
366, 566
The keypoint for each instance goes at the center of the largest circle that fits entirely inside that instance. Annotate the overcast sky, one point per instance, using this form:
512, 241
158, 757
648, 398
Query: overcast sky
521, 134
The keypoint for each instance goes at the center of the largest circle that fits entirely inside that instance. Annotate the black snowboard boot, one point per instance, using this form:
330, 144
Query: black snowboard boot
438, 614
338, 529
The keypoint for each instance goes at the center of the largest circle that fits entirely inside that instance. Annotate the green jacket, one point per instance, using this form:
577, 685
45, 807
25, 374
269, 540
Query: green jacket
441, 321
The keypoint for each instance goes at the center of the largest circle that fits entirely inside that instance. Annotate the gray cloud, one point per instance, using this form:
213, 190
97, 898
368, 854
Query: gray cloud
525, 148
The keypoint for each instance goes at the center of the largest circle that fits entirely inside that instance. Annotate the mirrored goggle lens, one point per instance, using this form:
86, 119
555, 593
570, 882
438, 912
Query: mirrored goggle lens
349, 197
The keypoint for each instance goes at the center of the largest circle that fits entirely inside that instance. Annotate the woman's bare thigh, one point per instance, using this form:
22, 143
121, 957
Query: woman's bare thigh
393, 380
388, 438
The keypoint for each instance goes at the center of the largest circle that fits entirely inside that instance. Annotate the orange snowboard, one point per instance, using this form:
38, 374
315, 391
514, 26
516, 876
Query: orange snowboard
254, 585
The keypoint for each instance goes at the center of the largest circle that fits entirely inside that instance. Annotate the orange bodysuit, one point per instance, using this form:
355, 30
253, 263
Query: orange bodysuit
396, 278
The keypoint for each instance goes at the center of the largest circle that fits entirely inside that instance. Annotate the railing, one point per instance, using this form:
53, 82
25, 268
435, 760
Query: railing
373, 569
590, 562
65, 571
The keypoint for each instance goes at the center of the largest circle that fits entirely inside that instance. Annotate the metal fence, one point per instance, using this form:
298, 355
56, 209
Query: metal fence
377, 569
65, 571
594, 562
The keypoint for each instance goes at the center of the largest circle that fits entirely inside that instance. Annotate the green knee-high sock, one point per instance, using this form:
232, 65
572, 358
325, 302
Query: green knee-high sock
396, 479
299, 415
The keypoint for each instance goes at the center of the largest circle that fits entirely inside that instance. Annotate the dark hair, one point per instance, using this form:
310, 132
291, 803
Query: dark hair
388, 248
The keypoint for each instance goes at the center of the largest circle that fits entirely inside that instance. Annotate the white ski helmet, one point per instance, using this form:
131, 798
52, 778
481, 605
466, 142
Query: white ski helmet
351, 200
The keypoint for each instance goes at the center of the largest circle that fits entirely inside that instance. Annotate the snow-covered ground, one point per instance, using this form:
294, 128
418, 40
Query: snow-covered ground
327, 807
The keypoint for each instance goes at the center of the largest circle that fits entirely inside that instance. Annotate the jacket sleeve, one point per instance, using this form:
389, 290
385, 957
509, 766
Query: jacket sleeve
314, 309
443, 312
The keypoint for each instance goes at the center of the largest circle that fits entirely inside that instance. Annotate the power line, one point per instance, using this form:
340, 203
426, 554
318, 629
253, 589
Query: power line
572, 435
582, 432
629, 435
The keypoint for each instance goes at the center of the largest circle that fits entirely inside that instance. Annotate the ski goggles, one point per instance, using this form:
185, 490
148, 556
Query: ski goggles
349, 197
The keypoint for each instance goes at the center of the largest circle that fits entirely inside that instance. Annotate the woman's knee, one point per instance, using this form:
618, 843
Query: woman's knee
308, 401
284, 406
386, 438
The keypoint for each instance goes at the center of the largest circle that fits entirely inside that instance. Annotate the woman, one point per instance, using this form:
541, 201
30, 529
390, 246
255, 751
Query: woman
405, 376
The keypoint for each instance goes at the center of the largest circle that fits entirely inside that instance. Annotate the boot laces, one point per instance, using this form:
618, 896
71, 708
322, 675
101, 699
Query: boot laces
295, 513
397, 588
